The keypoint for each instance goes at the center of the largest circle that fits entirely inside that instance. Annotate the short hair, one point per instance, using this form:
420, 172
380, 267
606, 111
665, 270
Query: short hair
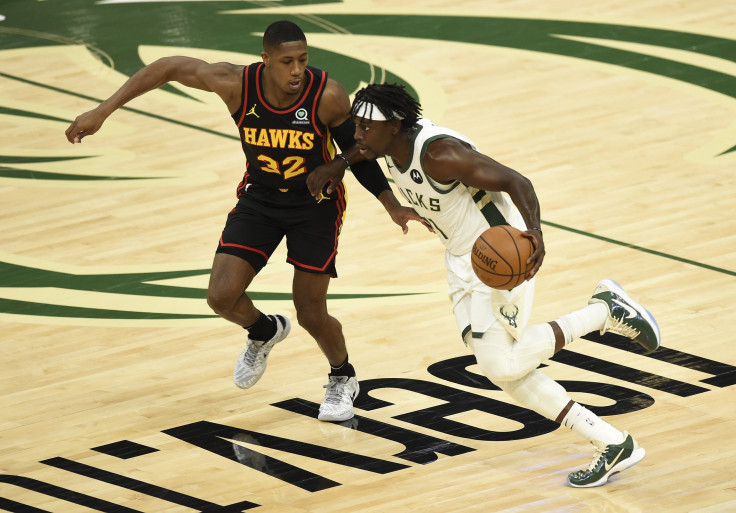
280, 32
392, 100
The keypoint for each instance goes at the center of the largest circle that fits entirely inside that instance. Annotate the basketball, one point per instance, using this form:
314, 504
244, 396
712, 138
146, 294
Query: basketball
499, 257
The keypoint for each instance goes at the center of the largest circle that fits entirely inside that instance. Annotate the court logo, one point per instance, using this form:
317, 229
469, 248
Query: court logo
424, 434
39, 290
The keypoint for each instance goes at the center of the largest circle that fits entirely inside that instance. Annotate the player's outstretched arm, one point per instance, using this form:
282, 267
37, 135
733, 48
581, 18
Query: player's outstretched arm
186, 70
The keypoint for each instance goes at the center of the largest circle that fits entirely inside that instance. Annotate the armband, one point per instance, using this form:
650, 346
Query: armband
370, 176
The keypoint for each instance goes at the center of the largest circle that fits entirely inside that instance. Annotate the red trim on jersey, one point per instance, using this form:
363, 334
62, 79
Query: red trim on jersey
242, 185
342, 206
326, 153
262, 99
245, 95
247, 248
317, 97
244, 182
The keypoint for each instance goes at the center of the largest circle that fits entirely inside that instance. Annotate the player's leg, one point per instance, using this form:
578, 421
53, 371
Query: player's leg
229, 278
249, 238
614, 450
609, 310
311, 242
512, 365
310, 300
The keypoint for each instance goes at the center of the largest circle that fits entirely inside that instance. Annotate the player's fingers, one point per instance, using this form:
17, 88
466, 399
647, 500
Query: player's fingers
314, 185
71, 132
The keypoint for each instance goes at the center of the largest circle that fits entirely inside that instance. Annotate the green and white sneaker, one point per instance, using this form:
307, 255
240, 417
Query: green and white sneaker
607, 461
626, 317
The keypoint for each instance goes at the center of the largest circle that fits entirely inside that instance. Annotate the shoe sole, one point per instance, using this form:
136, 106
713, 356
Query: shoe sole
269, 346
349, 415
616, 288
636, 456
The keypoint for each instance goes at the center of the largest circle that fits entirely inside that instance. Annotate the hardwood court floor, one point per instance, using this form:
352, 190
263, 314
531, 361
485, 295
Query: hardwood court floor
115, 391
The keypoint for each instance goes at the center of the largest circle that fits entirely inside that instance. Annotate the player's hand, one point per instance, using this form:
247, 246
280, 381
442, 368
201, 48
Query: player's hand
535, 260
402, 215
330, 173
85, 124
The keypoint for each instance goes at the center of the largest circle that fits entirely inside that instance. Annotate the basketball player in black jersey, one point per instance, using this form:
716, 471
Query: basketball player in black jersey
287, 114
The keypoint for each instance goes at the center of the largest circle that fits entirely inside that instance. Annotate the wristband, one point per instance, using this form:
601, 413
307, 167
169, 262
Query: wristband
343, 157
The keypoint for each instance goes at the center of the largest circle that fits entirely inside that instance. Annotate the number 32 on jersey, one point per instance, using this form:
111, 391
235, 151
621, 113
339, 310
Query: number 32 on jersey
289, 167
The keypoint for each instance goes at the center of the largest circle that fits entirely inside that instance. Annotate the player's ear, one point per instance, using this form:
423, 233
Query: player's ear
395, 126
266, 58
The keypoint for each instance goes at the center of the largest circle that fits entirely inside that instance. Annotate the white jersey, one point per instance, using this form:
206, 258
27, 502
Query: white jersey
457, 213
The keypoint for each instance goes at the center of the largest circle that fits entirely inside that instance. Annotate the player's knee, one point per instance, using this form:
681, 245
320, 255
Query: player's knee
498, 369
312, 315
309, 318
220, 301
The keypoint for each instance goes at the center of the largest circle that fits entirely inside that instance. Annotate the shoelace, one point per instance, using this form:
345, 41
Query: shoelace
253, 353
597, 455
620, 327
334, 392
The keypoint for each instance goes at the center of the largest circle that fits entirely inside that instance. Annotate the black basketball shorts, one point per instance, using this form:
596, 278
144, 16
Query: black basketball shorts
254, 229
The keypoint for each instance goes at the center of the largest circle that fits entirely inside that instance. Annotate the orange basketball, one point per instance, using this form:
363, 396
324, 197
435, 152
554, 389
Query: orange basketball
499, 257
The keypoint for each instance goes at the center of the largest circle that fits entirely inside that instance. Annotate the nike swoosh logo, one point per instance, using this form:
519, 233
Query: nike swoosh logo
632, 313
608, 466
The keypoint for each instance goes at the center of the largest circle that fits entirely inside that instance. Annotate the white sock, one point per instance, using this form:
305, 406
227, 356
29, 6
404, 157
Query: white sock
576, 324
591, 427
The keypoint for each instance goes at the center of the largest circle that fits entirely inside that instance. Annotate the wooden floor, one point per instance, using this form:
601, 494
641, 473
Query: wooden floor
115, 390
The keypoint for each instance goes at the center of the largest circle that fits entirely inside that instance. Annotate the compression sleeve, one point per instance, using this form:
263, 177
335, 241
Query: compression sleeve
368, 172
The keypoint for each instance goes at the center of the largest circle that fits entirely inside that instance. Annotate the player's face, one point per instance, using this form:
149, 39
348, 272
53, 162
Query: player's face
373, 137
286, 64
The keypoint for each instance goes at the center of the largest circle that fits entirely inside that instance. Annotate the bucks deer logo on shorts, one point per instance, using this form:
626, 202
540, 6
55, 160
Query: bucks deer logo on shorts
509, 312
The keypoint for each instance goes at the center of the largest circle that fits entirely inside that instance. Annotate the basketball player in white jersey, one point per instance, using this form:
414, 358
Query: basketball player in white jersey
460, 193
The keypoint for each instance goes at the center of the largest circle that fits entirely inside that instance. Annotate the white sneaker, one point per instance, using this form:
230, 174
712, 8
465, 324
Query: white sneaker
338, 402
252, 361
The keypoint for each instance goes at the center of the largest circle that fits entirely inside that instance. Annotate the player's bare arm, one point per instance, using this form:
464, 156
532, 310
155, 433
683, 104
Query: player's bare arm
449, 159
334, 110
221, 78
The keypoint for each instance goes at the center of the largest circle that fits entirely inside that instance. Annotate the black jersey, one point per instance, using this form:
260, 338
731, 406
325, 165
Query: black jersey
282, 145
